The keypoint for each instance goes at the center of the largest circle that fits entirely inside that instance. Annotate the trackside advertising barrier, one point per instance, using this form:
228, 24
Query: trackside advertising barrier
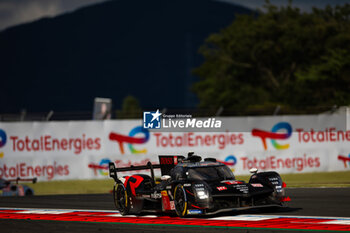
82, 149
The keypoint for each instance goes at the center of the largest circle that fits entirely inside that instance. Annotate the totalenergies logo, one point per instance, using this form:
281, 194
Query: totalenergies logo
104, 164
131, 139
275, 135
3, 139
346, 160
102, 167
230, 160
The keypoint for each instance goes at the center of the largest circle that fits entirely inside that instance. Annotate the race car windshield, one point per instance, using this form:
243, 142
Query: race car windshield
210, 173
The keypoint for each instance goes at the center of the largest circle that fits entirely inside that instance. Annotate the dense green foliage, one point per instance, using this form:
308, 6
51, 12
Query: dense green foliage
281, 56
130, 108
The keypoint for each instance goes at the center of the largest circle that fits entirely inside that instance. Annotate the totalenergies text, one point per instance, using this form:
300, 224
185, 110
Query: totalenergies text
48, 143
24, 170
327, 135
271, 162
192, 140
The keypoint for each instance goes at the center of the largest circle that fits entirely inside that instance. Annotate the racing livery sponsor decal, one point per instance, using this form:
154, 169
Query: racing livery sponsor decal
165, 201
133, 182
231, 182
221, 188
194, 211
242, 188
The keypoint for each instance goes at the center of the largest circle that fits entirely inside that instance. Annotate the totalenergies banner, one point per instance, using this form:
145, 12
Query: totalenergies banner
82, 149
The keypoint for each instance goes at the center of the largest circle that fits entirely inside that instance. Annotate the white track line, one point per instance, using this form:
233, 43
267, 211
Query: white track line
252, 217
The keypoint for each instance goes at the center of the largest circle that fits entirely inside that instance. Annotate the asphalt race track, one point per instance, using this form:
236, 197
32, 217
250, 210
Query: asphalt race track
321, 202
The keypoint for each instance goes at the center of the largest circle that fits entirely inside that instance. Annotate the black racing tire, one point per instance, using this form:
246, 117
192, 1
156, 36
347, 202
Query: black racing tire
274, 198
120, 197
180, 201
29, 192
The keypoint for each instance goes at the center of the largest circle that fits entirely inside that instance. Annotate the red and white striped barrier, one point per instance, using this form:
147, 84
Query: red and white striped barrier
239, 221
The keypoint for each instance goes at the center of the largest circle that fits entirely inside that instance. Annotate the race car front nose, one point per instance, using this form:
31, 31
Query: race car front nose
201, 194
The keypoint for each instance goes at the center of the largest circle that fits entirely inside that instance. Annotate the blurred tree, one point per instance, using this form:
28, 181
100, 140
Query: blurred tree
279, 57
130, 108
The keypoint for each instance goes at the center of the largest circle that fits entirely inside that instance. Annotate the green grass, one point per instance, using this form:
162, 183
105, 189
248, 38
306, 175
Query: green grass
324, 179
73, 187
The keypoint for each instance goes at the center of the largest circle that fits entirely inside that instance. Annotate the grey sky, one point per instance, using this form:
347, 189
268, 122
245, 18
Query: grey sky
14, 12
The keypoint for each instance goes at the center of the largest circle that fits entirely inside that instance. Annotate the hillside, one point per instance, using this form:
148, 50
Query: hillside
143, 48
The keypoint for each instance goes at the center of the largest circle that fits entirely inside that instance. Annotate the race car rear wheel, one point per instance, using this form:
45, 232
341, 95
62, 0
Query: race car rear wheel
180, 201
121, 199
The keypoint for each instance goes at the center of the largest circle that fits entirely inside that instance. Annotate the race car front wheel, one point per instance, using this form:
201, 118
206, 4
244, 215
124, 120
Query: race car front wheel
121, 199
180, 201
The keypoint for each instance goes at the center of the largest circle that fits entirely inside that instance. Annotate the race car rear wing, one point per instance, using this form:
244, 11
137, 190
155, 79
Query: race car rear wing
113, 170
167, 162
18, 179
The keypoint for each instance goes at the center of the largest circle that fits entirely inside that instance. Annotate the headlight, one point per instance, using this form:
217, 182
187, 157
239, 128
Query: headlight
201, 193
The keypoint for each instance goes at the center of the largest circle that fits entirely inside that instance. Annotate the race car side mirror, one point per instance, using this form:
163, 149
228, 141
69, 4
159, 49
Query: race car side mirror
165, 177
253, 170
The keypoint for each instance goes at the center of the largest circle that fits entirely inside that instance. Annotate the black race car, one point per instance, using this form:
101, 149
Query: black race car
190, 186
